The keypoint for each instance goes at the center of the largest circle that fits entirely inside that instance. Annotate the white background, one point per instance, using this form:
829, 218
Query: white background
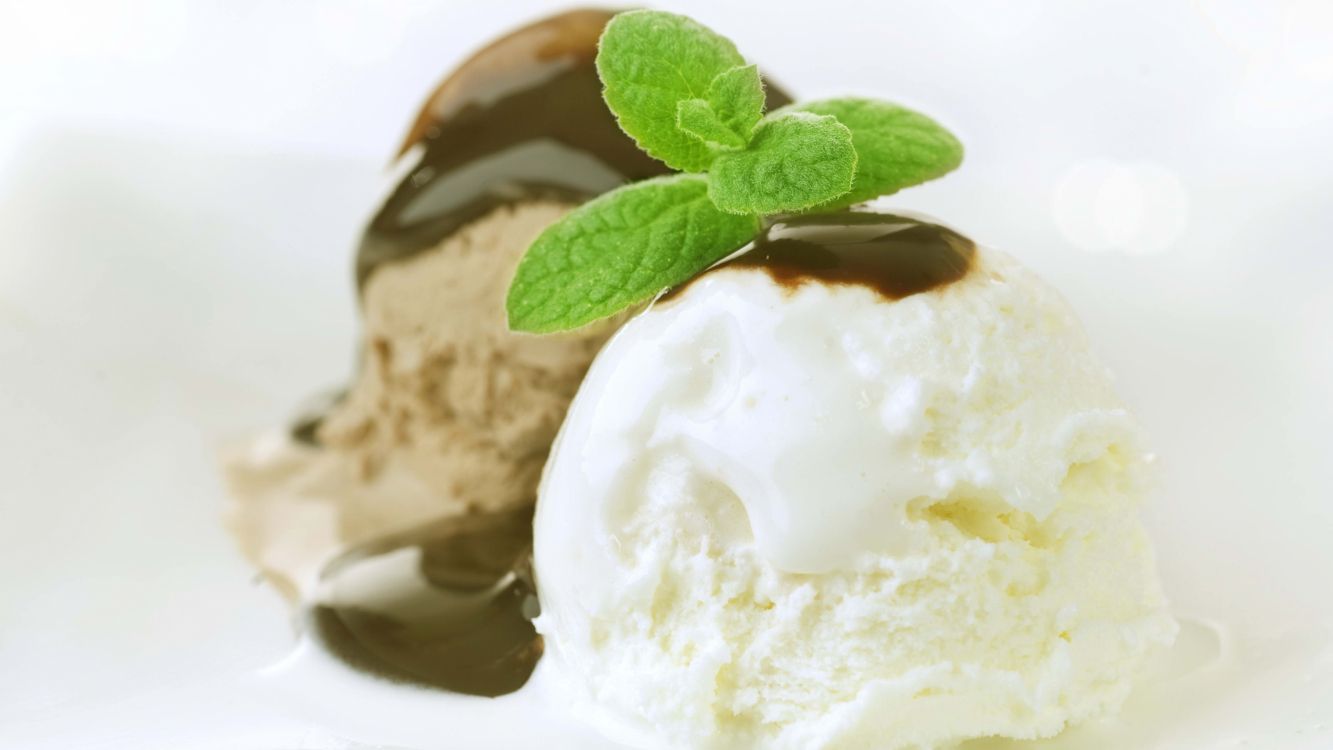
182, 183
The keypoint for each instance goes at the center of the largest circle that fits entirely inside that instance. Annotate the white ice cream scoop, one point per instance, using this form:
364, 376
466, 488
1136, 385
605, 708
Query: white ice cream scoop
864, 485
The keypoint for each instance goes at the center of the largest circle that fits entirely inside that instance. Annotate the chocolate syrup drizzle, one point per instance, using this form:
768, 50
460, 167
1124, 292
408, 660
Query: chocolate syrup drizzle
895, 256
522, 119
448, 605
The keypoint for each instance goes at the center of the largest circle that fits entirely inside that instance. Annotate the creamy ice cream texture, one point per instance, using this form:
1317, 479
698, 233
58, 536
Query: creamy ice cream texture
450, 414
795, 505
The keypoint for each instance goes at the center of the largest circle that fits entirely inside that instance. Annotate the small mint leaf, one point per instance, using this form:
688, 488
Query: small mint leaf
796, 160
648, 61
895, 146
737, 96
620, 249
696, 117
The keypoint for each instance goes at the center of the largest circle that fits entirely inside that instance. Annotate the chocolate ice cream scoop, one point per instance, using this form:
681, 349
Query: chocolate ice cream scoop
450, 415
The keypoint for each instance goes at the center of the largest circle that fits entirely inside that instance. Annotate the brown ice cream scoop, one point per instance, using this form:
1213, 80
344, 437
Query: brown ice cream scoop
450, 415
448, 412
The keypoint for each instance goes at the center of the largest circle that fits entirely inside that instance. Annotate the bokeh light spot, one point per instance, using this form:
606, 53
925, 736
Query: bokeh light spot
1102, 205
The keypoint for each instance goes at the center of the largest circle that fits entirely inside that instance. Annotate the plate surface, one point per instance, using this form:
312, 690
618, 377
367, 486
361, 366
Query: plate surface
158, 298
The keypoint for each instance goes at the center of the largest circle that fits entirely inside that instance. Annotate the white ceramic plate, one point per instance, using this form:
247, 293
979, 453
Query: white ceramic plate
158, 297
1166, 164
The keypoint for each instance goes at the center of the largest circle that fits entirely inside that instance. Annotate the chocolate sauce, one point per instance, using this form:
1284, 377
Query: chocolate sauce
447, 606
522, 119
304, 428
896, 256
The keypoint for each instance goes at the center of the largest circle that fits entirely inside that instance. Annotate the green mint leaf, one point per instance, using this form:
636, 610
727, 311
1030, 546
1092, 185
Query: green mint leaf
620, 249
650, 60
696, 117
895, 146
796, 160
737, 96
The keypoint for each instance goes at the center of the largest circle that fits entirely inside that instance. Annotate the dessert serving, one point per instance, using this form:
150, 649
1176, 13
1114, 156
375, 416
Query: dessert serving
827, 475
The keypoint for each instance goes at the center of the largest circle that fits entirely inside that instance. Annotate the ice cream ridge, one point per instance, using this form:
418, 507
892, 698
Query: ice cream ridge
827, 474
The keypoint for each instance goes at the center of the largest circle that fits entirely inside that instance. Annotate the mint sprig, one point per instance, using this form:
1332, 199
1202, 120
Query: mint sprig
895, 147
796, 160
737, 96
648, 62
697, 117
687, 97
621, 249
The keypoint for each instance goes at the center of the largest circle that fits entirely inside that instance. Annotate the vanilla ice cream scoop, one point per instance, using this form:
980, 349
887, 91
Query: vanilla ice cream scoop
863, 486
